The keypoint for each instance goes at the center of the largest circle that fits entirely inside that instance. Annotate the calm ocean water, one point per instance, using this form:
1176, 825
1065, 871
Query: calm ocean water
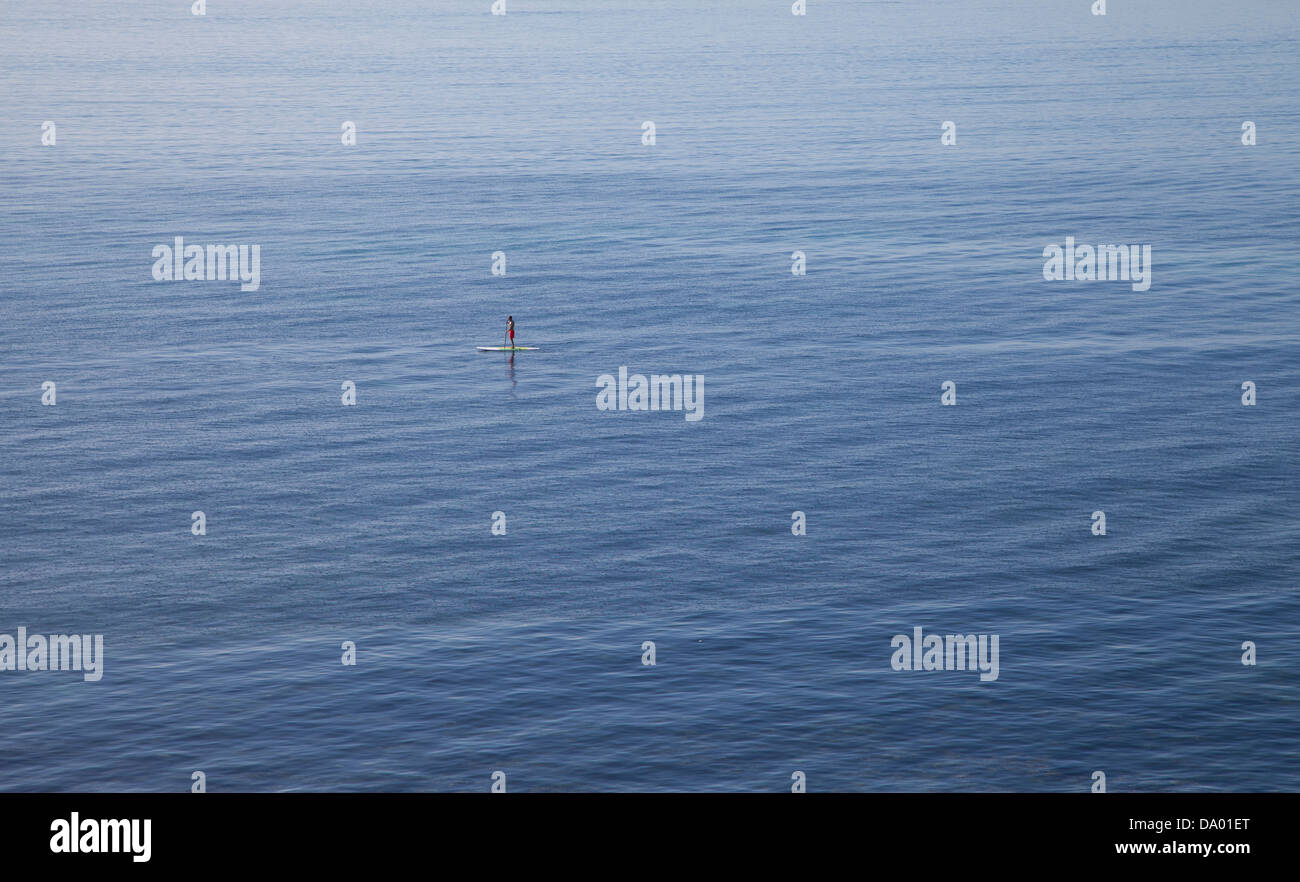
523, 653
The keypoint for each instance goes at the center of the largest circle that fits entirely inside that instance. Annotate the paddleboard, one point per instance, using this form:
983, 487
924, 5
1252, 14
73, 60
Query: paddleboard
506, 348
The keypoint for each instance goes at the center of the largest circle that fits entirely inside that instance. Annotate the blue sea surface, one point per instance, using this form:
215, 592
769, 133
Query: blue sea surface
522, 653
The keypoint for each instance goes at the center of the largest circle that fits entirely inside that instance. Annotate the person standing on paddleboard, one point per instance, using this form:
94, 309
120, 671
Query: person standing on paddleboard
510, 329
